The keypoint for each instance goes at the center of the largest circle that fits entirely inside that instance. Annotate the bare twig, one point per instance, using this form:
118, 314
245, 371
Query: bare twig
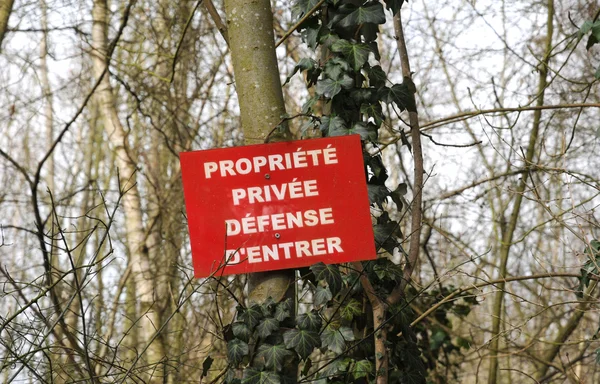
470, 114
416, 206
460, 291
302, 20
212, 11
181, 38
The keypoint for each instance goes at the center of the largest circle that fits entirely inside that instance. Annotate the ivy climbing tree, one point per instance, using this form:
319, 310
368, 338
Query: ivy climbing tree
357, 326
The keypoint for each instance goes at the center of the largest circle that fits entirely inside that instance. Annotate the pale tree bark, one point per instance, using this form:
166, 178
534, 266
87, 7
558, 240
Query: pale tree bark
165, 238
149, 322
62, 362
416, 206
509, 230
563, 334
251, 40
250, 32
5, 10
157, 160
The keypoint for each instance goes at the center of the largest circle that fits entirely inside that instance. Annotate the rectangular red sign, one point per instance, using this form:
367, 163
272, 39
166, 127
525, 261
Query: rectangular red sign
276, 206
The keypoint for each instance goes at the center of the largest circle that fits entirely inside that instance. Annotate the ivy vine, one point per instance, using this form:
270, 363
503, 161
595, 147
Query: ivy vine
332, 339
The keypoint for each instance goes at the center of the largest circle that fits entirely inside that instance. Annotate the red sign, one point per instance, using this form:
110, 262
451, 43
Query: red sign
276, 206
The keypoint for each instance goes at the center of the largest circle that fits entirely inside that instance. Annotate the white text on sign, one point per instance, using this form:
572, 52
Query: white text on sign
293, 190
296, 249
279, 221
256, 164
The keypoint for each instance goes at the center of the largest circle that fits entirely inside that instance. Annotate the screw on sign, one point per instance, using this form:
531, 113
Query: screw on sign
277, 206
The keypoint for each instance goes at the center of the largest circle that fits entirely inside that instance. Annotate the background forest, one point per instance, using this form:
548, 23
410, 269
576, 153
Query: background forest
481, 125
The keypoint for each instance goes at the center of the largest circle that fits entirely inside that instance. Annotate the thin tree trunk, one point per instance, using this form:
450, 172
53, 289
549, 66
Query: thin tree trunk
508, 233
251, 39
5, 10
417, 200
261, 101
250, 28
62, 361
565, 332
149, 322
416, 206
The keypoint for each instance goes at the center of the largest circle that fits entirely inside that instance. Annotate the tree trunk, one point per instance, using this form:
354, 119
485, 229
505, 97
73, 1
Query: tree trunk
5, 10
250, 31
135, 235
508, 233
251, 40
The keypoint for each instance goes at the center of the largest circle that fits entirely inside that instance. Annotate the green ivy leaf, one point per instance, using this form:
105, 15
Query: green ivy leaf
267, 326
380, 271
377, 193
230, 377
306, 368
310, 103
362, 96
385, 235
437, 339
241, 331
362, 368
330, 87
379, 173
301, 7
327, 37
310, 34
412, 376
335, 339
254, 376
371, 13
597, 75
593, 249
367, 131
322, 296
347, 333
332, 124
416, 372
310, 321
206, 366
351, 309
335, 68
397, 195
268, 307
461, 310
399, 94
590, 268
394, 5
304, 64
337, 366
387, 270
338, 131
330, 274
373, 110
463, 343
377, 76
302, 341
585, 28
251, 316
357, 54
594, 36
236, 350
283, 310
273, 355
